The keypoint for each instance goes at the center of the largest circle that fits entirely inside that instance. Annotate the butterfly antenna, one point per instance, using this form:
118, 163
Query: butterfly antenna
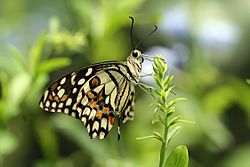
146, 36
132, 32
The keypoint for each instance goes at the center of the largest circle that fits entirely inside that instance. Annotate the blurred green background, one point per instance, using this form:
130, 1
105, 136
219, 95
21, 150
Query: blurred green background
205, 43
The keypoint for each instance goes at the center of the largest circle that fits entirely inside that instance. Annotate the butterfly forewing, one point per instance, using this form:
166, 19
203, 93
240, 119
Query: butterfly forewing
95, 94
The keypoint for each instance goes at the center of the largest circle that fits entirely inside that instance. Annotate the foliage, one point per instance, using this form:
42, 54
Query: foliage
23, 84
178, 157
164, 110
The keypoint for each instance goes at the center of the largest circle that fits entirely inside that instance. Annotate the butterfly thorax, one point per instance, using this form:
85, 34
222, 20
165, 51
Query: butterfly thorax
134, 64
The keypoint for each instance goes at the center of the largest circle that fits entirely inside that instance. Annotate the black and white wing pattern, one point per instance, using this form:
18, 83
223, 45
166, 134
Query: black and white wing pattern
97, 94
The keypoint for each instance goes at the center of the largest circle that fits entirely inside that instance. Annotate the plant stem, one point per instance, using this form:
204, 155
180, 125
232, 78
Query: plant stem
164, 143
162, 154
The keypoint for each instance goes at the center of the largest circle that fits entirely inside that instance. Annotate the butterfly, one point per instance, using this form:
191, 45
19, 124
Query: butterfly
98, 94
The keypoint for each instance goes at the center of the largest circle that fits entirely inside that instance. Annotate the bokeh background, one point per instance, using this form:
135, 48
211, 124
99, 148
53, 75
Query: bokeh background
205, 43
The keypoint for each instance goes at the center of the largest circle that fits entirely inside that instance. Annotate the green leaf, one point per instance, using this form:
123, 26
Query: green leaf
159, 70
158, 136
17, 55
156, 116
155, 135
174, 120
172, 102
178, 157
147, 137
36, 52
155, 69
164, 96
173, 132
185, 121
18, 87
53, 64
158, 81
170, 111
166, 80
169, 83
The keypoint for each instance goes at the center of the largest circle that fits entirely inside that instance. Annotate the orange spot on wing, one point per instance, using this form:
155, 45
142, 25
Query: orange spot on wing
56, 99
95, 82
93, 104
53, 87
105, 110
101, 98
64, 97
99, 114
111, 120
50, 98
90, 95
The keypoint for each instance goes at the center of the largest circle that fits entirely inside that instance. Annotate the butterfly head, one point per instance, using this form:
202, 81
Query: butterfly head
134, 63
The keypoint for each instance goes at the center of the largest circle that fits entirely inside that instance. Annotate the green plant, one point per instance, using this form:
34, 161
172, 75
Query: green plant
21, 80
163, 113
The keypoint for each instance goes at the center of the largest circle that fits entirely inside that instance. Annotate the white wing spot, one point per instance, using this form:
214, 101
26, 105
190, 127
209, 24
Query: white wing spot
60, 93
107, 100
84, 120
73, 114
102, 134
74, 106
69, 101
88, 128
94, 135
109, 126
45, 95
73, 79
89, 72
104, 123
66, 111
41, 104
84, 101
86, 86
47, 103
54, 104
59, 110
92, 114
81, 81
98, 89
63, 81
86, 111
95, 126
60, 105
79, 110
53, 110
74, 90
79, 97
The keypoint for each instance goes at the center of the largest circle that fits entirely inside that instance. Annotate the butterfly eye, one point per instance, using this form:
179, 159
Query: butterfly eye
134, 54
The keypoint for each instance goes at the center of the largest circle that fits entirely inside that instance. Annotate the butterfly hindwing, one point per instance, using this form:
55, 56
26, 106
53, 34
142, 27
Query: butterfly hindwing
128, 113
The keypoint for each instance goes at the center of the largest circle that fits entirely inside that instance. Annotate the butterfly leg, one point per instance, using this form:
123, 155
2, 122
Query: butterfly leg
146, 75
118, 128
